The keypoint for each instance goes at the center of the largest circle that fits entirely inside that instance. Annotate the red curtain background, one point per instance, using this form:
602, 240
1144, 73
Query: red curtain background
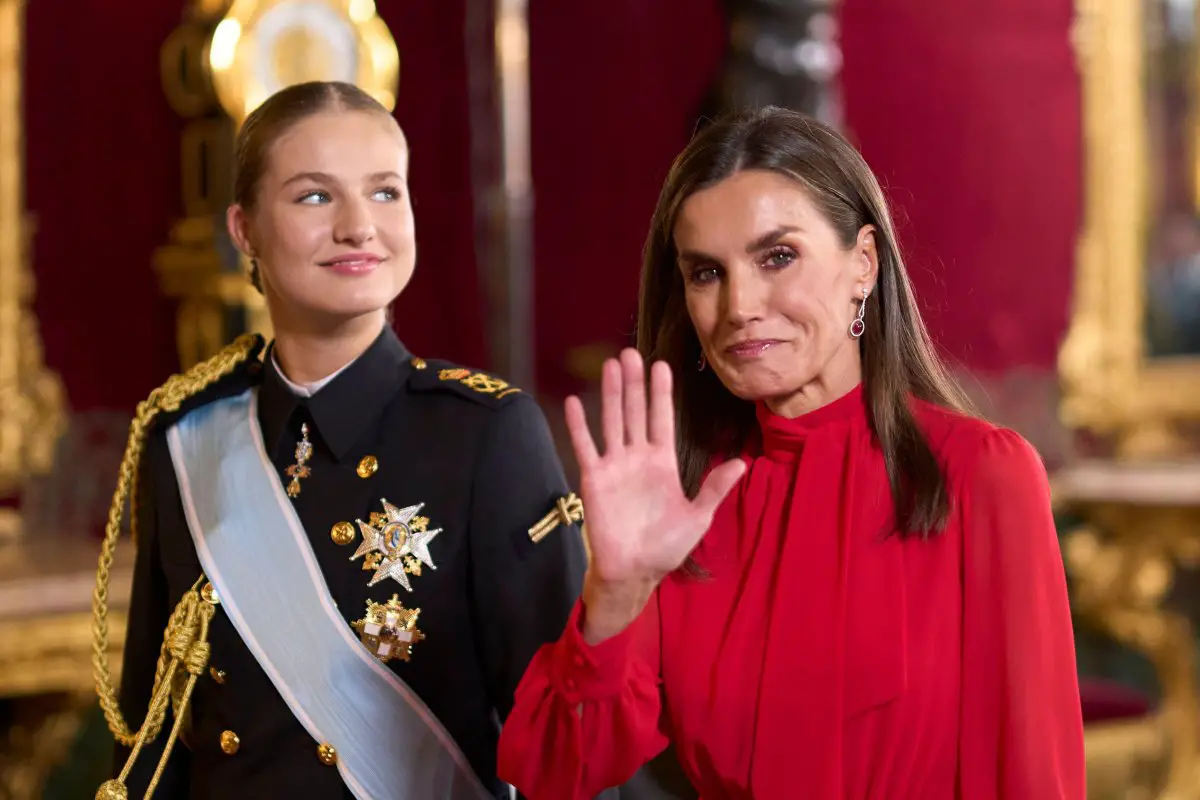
103, 181
969, 114
616, 87
102, 175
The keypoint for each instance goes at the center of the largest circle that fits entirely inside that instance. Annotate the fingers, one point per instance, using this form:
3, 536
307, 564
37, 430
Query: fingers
612, 416
633, 375
581, 437
662, 406
624, 417
717, 485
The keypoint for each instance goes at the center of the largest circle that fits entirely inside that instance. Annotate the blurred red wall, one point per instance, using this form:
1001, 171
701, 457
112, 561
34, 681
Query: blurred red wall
969, 113
103, 181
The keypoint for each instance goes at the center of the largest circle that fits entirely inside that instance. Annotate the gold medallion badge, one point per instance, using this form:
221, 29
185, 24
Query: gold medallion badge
389, 630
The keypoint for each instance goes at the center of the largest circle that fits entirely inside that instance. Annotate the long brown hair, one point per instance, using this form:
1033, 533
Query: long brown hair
898, 357
275, 117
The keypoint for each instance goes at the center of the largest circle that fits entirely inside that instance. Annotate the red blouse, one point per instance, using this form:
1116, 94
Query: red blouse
823, 660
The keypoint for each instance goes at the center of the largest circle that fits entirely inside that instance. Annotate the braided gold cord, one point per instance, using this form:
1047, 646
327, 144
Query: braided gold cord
187, 643
187, 629
194, 660
133, 506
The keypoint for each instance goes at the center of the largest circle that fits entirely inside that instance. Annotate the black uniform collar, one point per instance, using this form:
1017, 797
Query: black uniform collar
346, 408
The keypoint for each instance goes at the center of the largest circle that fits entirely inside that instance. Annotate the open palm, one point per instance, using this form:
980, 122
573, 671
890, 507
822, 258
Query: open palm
641, 525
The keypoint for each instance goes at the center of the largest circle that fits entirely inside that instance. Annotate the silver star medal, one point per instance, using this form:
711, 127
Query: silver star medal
396, 538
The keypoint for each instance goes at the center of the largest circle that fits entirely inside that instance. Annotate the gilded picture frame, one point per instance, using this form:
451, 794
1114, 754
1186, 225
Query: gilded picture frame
1111, 382
32, 397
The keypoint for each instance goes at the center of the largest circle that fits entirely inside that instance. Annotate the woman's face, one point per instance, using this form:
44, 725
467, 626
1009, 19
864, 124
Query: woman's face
332, 225
772, 291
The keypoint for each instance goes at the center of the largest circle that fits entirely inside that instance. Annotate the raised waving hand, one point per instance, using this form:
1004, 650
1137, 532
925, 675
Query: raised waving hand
641, 525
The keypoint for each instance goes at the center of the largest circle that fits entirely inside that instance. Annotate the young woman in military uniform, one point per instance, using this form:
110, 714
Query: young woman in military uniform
346, 554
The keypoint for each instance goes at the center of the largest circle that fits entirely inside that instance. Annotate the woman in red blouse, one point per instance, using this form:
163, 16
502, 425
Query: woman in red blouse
811, 571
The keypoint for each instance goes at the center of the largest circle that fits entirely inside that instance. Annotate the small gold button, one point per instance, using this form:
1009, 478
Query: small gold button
230, 742
368, 466
210, 595
342, 533
327, 755
217, 675
418, 363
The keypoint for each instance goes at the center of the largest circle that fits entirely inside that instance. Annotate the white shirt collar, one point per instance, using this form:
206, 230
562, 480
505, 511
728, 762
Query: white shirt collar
308, 389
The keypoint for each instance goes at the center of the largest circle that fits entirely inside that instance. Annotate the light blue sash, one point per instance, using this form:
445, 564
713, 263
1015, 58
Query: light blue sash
253, 549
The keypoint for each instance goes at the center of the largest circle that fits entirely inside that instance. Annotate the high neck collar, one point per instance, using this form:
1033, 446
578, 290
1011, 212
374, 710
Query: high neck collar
306, 389
783, 437
345, 409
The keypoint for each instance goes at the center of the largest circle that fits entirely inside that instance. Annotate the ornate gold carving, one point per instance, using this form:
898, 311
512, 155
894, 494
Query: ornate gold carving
1108, 384
197, 266
335, 40
45, 640
1125, 758
32, 414
300, 56
37, 741
1141, 523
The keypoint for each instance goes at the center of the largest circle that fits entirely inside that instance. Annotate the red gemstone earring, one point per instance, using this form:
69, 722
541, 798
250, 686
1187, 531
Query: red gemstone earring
859, 325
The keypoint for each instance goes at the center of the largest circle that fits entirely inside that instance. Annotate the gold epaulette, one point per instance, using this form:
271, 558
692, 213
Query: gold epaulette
472, 384
185, 640
479, 382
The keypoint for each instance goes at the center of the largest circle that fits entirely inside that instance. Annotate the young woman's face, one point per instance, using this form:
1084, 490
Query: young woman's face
332, 225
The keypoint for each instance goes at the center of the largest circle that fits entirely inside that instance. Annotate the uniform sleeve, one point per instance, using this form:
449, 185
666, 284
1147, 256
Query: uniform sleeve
586, 717
148, 613
522, 591
1022, 728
